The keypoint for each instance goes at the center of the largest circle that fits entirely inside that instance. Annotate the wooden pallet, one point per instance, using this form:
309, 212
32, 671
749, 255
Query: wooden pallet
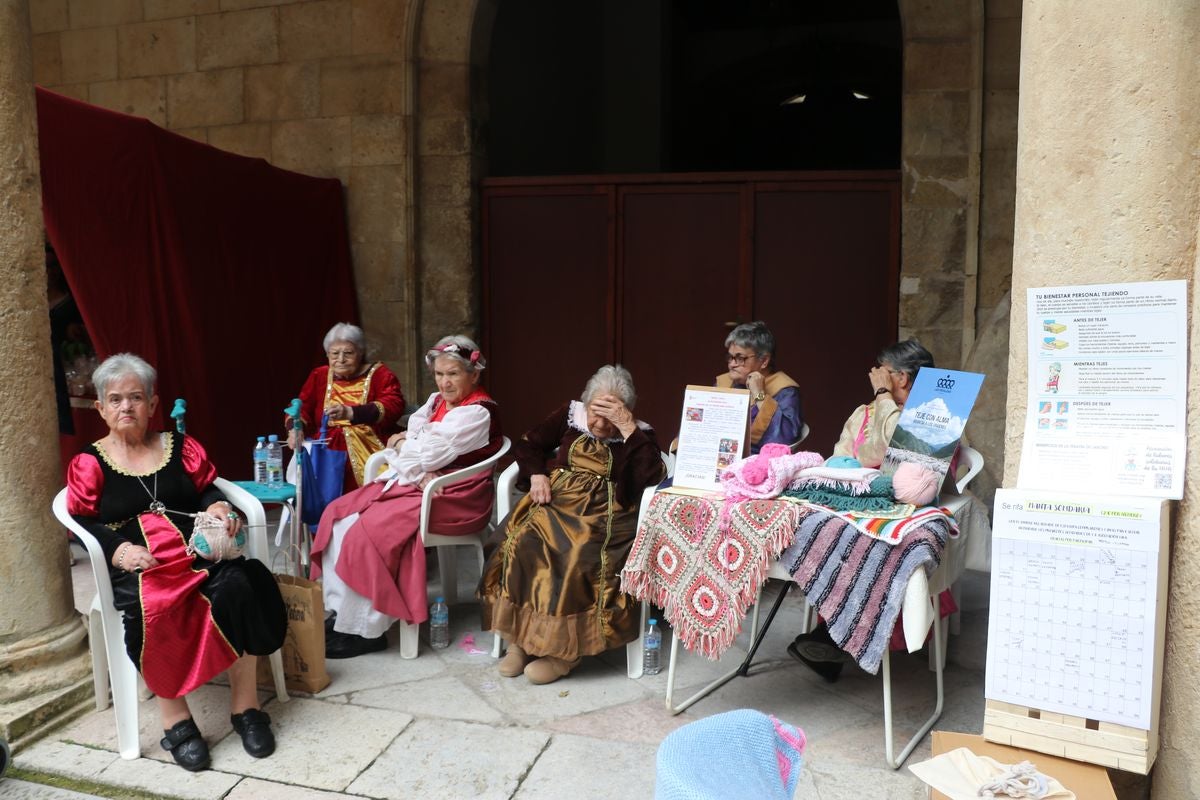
1104, 743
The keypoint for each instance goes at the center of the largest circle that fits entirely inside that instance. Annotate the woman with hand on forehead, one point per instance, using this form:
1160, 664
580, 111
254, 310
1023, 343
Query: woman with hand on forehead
552, 583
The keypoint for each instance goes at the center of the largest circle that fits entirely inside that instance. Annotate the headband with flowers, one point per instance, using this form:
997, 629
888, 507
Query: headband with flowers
473, 357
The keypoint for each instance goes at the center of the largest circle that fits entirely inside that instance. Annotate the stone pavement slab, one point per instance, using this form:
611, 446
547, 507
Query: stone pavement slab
255, 789
13, 789
580, 766
318, 745
446, 696
447, 759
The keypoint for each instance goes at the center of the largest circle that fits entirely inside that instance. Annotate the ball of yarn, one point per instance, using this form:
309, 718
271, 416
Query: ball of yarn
774, 450
842, 462
211, 540
915, 484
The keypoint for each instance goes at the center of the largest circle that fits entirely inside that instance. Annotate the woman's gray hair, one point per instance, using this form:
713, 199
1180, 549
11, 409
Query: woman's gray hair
907, 356
120, 366
611, 379
345, 332
460, 348
754, 336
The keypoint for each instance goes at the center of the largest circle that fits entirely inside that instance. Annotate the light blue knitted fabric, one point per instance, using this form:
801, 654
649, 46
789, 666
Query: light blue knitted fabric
730, 756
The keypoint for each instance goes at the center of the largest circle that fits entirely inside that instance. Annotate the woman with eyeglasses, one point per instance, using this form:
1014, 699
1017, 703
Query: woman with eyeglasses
775, 416
866, 435
362, 400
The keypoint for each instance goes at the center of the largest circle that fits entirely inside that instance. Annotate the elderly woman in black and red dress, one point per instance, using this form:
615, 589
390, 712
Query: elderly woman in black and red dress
186, 619
552, 583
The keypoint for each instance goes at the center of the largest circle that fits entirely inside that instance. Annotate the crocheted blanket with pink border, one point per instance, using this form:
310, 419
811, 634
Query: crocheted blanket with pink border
703, 574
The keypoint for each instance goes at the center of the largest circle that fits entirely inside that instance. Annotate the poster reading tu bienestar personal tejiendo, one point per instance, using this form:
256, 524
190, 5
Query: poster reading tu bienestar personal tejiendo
1107, 396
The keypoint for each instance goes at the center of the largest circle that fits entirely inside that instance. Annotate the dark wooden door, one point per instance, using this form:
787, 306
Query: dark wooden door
652, 270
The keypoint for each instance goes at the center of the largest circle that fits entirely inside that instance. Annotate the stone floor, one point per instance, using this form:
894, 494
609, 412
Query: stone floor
445, 725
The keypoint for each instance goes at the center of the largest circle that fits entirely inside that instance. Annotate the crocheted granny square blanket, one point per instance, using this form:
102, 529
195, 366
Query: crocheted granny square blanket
703, 574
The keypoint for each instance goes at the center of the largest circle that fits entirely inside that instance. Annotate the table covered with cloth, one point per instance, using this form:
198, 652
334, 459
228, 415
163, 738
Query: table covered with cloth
705, 575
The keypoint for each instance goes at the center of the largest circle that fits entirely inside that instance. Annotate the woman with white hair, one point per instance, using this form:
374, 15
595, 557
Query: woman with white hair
367, 547
552, 583
362, 399
187, 619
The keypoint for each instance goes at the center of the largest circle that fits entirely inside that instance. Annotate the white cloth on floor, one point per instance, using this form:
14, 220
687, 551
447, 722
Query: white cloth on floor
960, 773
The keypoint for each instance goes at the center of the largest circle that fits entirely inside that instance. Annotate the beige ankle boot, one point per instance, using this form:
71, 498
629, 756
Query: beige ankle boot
513, 663
549, 669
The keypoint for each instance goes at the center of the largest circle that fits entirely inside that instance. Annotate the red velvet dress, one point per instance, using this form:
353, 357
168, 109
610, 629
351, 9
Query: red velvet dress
187, 619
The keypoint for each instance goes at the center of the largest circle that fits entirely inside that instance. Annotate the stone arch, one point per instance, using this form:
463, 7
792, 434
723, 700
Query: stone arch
940, 161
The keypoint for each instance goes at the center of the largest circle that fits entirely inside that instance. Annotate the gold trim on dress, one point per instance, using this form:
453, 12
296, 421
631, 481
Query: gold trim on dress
168, 445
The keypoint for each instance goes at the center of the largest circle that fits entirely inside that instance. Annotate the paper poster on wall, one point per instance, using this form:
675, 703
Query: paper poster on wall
1077, 620
933, 419
713, 434
1107, 398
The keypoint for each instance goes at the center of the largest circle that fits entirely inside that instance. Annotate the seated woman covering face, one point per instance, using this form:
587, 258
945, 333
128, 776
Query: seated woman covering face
552, 585
775, 415
865, 437
367, 545
362, 400
867, 433
186, 619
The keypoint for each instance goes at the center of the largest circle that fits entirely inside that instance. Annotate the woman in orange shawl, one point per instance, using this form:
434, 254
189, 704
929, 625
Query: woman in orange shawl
362, 400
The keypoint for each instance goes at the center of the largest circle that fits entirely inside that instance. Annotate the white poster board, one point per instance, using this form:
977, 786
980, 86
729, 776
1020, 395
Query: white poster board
1107, 395
713, 434
1076, 617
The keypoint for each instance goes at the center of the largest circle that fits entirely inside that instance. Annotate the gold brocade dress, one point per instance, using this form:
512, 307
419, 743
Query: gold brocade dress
552, 583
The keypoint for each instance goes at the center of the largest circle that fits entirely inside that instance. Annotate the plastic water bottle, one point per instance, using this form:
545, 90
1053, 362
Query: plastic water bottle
652, 650
439, 624
260, 460
274, 462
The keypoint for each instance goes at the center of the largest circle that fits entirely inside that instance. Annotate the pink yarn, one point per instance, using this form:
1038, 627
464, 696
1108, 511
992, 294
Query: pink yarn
914, 484
767, 474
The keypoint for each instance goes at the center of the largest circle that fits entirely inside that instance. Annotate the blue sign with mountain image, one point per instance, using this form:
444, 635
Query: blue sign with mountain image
933, 419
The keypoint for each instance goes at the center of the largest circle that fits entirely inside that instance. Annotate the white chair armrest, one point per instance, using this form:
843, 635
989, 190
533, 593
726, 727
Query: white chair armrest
505, 489
256, 518
974, 461
431, 489
376, 464
95, 553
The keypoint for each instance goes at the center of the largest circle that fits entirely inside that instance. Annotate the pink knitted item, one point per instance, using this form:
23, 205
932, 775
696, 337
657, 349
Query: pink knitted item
748, 479
912, 483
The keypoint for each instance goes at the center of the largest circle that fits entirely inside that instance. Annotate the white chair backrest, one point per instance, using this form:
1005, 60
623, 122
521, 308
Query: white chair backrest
973, 460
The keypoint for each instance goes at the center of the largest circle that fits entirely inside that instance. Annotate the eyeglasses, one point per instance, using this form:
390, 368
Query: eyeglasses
737, 360
342, 355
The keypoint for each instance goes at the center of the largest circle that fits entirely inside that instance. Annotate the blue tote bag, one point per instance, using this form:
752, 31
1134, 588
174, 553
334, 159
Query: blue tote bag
322, 473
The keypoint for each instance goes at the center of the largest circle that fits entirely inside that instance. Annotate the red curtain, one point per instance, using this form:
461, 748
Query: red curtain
222, 271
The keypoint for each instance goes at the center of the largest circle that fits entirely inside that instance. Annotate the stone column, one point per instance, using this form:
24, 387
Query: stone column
1108, 190
44, 666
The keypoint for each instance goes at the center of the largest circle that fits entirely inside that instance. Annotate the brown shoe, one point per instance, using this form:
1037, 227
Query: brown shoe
513, 663
549, 669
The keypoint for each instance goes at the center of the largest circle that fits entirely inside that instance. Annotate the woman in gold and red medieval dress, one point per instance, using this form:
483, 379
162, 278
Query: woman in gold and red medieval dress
362, 400
186, 619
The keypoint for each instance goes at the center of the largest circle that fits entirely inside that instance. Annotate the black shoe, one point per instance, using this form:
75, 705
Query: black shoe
186, 746
332, 618
254, 726
349, 645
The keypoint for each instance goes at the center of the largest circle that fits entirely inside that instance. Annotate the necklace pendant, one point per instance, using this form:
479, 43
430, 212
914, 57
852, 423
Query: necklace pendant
158, 507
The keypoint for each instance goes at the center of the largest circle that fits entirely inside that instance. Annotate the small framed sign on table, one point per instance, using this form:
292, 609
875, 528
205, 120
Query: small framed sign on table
714, 432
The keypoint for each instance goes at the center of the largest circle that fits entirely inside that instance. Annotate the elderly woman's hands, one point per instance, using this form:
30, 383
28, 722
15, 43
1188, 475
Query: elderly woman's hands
131, 557
539, 489
757, 384
223, 509
612, 409
881, 378
397, 439
339, 411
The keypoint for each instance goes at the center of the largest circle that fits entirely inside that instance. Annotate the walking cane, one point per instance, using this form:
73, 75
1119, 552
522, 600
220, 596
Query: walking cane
293, 411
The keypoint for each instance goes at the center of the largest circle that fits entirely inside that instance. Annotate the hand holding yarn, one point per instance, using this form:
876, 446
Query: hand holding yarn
216, 538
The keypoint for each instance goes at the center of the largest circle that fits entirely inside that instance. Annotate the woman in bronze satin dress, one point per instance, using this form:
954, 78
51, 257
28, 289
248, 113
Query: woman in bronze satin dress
552, 585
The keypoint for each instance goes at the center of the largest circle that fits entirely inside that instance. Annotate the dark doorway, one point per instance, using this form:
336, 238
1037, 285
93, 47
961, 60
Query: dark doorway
624, 86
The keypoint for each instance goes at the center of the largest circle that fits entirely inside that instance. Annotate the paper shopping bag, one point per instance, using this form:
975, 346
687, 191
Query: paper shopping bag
304, 646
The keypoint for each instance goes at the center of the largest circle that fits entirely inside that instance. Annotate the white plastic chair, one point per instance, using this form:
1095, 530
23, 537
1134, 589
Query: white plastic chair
106, 628
506, 494
446, 554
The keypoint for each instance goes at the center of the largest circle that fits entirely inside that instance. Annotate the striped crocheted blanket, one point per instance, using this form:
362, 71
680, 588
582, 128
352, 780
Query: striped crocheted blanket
703, 574
857, 583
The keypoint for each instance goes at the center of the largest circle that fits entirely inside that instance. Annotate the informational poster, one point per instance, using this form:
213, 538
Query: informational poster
1107, 393
933, 419
713, 433
1076, 619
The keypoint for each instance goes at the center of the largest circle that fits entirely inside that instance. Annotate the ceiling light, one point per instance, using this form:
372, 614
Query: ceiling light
794, 100
861, 96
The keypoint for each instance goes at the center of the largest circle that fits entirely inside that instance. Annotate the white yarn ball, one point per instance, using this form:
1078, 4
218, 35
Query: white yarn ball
211, 540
